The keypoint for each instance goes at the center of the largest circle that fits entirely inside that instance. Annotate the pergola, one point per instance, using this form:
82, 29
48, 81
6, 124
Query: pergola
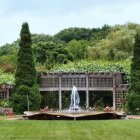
86, 81
5, 91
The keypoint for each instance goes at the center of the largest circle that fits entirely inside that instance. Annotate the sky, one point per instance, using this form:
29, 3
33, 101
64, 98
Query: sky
52, 16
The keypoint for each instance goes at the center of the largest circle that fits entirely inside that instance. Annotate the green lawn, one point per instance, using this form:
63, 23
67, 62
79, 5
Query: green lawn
70, 130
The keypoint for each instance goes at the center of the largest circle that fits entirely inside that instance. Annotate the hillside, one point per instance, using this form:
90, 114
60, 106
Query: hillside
109, 44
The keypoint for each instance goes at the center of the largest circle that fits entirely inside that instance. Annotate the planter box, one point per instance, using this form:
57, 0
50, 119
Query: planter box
7, 111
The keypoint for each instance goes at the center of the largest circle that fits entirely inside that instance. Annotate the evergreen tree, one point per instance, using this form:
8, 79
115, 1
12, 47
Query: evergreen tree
133, 97
135, 66
25, 77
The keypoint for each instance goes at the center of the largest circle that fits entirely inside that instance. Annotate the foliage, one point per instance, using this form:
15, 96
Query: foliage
133, 103
133, 98
50, 99
77, 49
34, 98
69, 34
66, 99
5, 103
119, 40
25, 77
41, 38
42, 51
25, 72
8, 57
50, 53
6, 78
95, 66
111, 55
113, 43
135, 66
99, 105
100, 33
20, 98
9, 48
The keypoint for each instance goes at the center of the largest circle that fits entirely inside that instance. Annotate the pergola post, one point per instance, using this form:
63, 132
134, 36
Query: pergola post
87, 91
7, 92
114, 93
60, 94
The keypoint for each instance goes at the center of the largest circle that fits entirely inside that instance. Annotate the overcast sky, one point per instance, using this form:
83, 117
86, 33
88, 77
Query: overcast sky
51, 16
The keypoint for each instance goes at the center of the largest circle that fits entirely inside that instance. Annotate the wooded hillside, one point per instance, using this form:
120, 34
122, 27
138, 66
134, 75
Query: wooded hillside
108, 43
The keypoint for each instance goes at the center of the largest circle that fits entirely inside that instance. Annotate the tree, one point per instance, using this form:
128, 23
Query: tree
25, 77
133, 103
135, 66
77, 49
73, 33
133, 98
111, 54
50, 53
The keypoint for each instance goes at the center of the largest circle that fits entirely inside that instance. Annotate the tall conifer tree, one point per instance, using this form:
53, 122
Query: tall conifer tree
135, 66
25, 77
133, 97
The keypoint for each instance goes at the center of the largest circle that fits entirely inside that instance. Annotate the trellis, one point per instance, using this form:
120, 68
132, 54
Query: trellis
121, 91
93, 81
4, 91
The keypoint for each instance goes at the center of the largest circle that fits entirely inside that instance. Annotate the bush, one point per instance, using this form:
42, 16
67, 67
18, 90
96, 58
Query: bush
34, 98
99, 105
133, 103
19, 99
5, 103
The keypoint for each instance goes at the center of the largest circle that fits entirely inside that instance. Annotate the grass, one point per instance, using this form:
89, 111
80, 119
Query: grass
69, 130
2, 117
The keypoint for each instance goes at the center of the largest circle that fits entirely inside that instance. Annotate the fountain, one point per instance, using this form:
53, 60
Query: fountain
73, 112
75, 100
